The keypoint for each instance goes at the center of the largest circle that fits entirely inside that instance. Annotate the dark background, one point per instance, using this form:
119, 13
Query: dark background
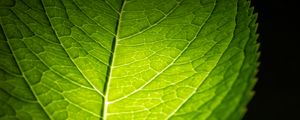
277, 95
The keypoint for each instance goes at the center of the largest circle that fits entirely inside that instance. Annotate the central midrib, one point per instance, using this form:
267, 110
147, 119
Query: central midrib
111, 63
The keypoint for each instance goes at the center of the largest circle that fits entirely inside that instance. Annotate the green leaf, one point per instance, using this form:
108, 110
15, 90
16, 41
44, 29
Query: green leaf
126, 59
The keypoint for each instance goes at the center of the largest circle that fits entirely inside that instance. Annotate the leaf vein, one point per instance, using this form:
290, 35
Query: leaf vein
155, 24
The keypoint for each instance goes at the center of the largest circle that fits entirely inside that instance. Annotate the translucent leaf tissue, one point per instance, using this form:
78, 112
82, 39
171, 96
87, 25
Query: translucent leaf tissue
126, 59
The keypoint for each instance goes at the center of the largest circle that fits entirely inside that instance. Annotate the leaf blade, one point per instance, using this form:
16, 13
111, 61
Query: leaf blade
132, 59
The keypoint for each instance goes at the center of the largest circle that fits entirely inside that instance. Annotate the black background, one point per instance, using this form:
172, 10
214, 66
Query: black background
277, 96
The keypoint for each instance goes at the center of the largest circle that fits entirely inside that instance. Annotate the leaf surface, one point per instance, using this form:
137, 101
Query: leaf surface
126, 59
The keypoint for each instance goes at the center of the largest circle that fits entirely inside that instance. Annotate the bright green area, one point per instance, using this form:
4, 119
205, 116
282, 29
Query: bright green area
122, 60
